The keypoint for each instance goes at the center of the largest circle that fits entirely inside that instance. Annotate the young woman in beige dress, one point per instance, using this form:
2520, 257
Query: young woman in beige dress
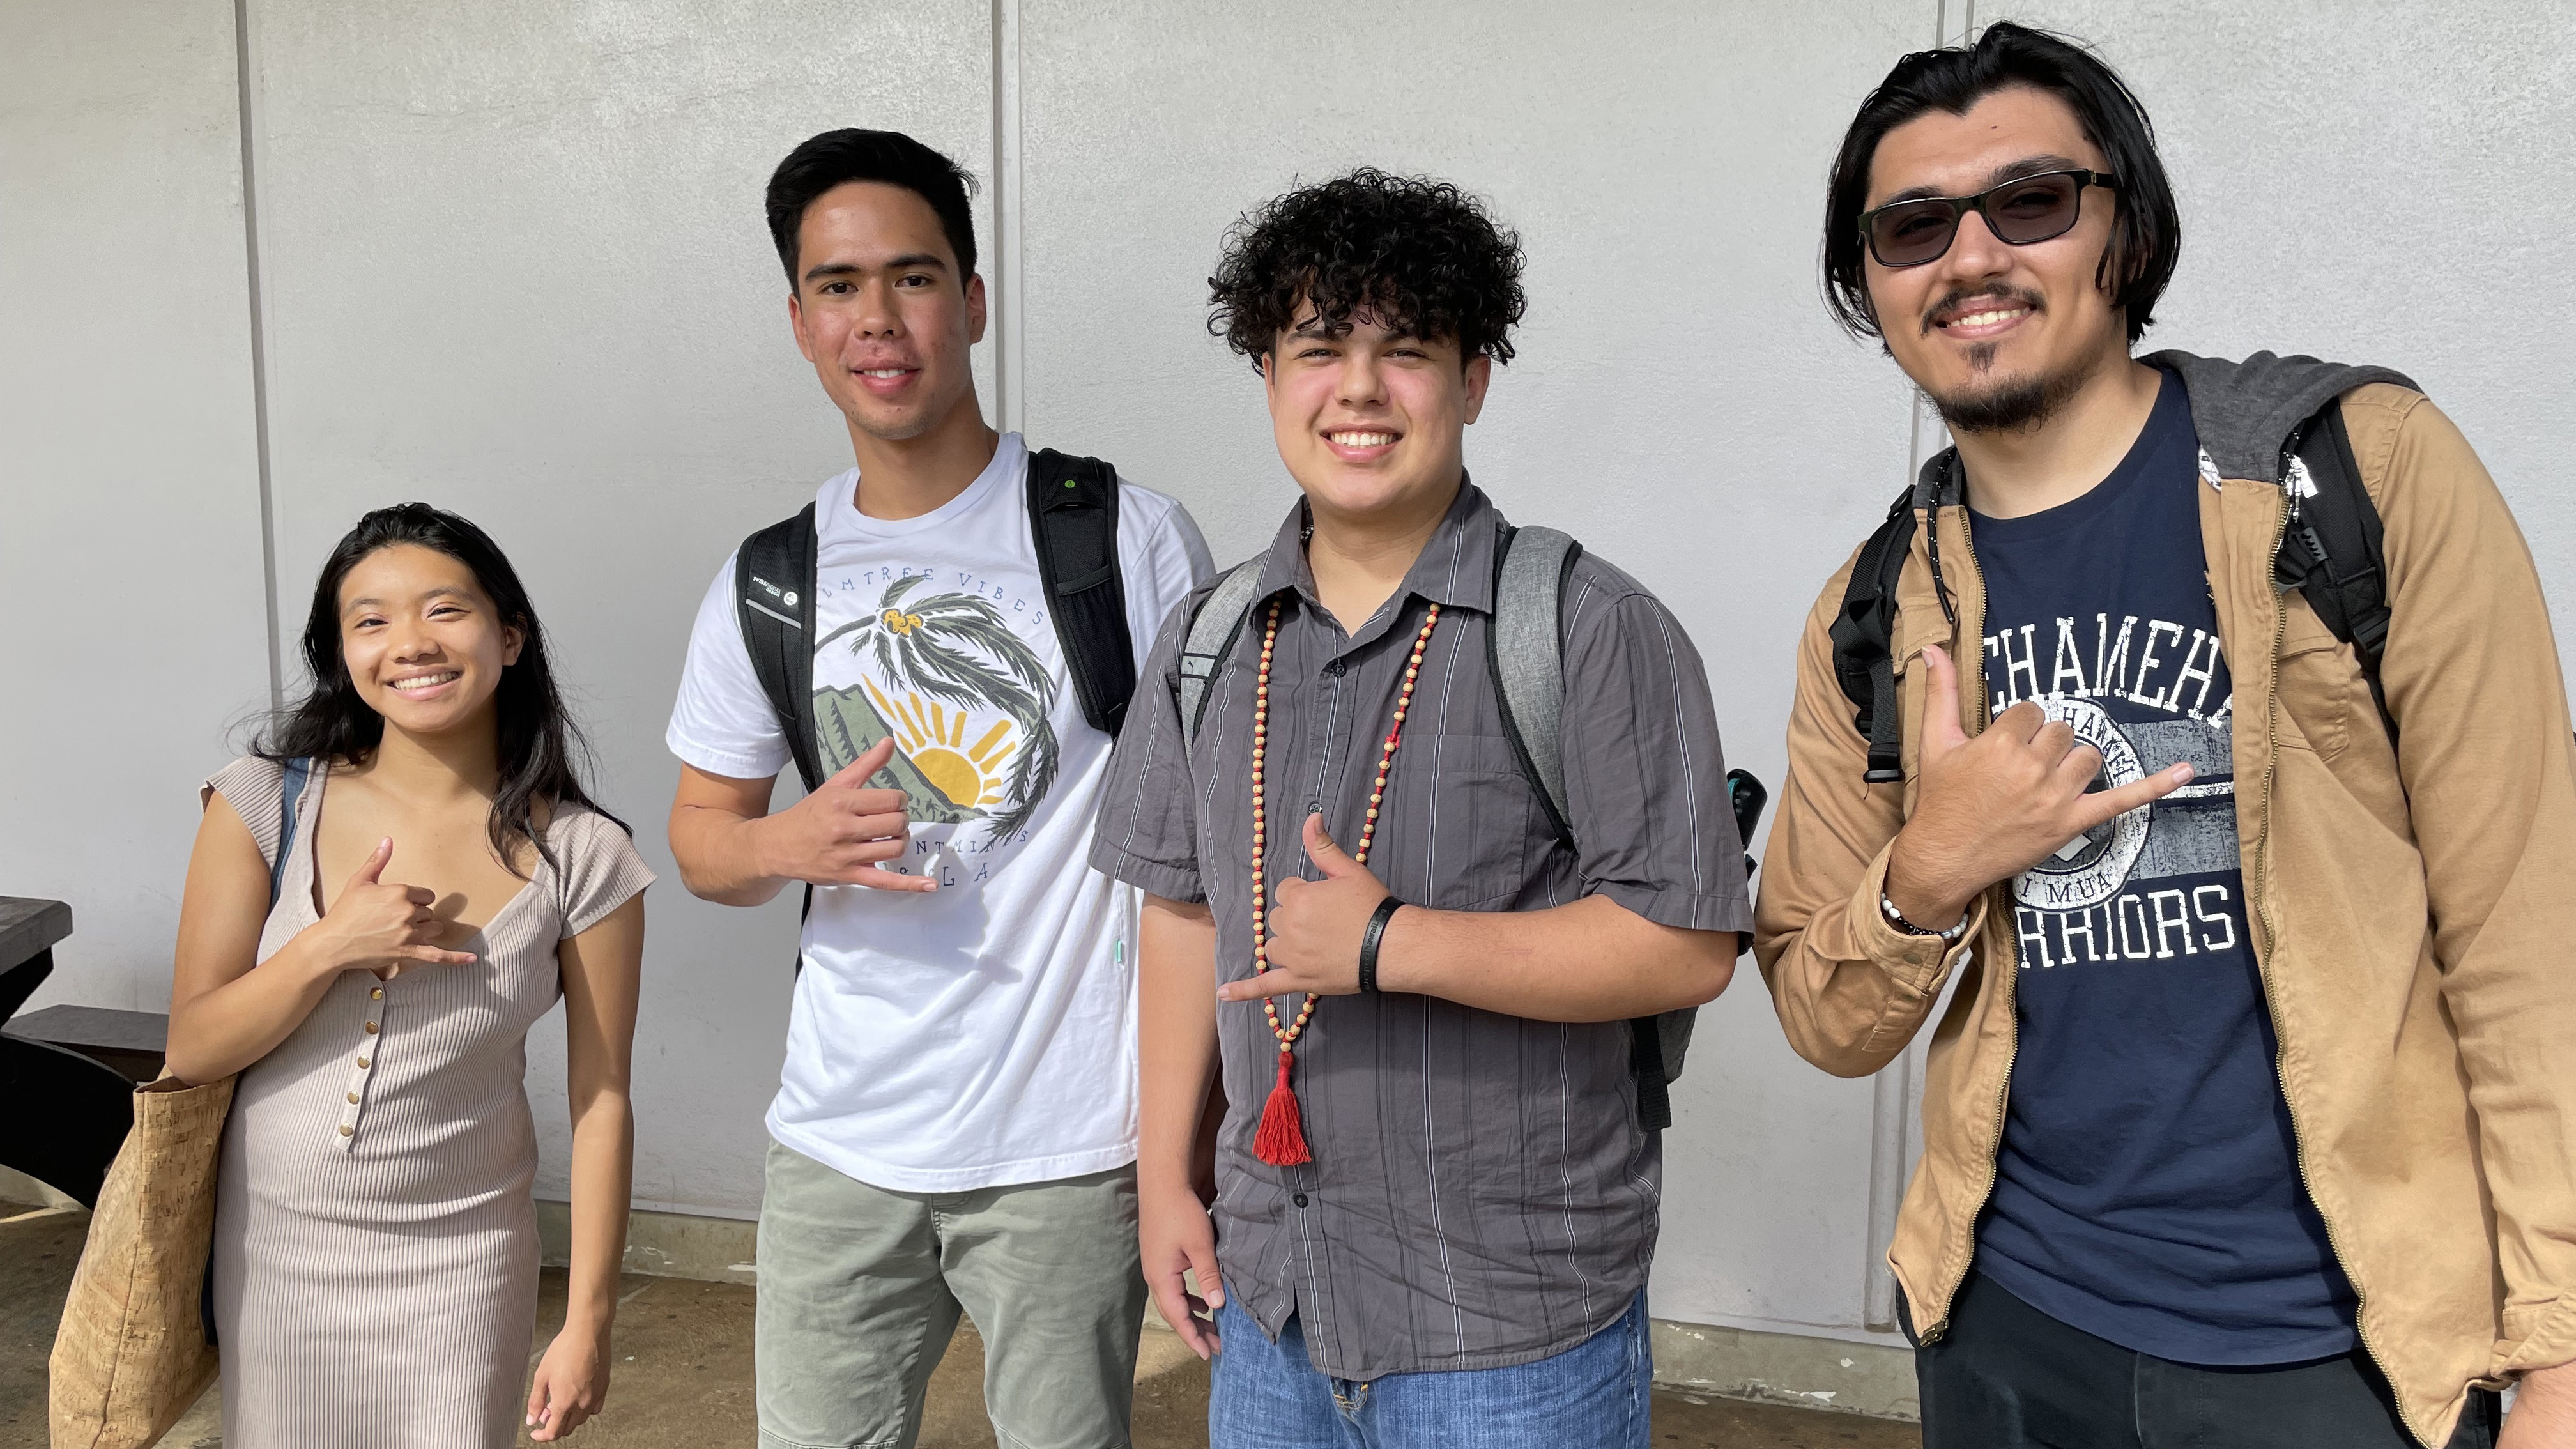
383, 899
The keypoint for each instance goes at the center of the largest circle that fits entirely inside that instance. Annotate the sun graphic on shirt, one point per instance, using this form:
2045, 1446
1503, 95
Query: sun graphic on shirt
933, 736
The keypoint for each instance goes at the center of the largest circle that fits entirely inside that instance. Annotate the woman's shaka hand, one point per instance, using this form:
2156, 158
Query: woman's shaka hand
377, 924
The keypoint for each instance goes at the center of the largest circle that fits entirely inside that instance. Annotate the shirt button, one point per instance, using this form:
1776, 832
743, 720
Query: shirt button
353, 1099
377, 994
1334, 669
348, 1131
1299, 1199
362, 1061
371, 1028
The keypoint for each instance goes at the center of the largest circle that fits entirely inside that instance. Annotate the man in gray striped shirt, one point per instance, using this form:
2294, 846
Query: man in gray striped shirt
1433, 1212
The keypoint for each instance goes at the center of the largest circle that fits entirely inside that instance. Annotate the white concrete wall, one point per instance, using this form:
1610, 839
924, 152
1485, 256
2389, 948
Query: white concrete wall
511, 261
2356, 183
130, 539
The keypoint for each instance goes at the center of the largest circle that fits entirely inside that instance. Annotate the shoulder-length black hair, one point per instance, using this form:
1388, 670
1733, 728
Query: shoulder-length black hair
542, 753
2147, 238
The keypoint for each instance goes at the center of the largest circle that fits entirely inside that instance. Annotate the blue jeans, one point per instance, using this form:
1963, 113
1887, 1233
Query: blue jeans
1595, 1395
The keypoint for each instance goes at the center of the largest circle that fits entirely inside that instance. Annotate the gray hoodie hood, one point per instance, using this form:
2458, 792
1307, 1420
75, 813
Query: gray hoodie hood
2244, 411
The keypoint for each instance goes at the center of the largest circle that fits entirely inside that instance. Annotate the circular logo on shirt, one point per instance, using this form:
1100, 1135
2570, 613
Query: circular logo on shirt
2091, 868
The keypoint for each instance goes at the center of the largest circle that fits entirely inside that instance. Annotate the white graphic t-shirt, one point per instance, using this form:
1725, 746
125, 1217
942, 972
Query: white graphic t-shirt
983, 1033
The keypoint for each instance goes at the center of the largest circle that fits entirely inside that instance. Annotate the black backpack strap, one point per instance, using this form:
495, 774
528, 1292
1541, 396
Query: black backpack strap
1646, 1065
1864, 635
773, 589
1073, 516
773, 594
2332, 544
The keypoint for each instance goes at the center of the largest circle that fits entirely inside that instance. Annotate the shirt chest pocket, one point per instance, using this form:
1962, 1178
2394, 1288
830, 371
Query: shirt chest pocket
2320, 675
1461, 827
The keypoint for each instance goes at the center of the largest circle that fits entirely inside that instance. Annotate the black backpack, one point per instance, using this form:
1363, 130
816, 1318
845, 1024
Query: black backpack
1073, 517
2330, 552
1524, 651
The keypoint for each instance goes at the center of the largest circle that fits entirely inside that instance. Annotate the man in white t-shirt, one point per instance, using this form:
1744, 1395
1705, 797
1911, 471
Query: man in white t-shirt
955, 1126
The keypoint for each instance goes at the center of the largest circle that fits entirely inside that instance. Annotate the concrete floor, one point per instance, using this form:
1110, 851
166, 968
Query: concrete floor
683, 1376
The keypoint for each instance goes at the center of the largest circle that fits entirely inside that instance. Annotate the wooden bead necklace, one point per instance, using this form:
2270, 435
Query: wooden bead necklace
1281, 1138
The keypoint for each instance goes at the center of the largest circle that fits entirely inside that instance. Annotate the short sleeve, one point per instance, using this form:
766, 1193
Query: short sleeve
1147, 833
722, 722
599, 869
1163, 559
255, 788
1645, 776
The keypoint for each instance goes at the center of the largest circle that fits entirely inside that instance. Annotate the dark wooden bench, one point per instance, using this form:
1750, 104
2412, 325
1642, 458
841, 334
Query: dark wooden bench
129, 1042
28, 930
64, 1108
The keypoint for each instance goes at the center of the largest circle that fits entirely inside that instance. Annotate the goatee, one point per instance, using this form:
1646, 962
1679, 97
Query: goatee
2007, 404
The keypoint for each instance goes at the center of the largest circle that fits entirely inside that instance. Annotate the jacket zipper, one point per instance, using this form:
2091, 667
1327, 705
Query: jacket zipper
2271, 934
2012, 972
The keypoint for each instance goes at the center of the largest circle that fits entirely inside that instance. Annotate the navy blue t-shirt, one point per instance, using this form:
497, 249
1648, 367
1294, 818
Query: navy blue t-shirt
2147, 1190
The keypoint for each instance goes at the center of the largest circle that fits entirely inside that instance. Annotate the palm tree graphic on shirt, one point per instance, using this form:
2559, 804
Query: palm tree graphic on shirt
964, 698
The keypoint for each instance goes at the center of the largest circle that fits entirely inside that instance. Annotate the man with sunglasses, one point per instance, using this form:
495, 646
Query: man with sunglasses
2252, 1119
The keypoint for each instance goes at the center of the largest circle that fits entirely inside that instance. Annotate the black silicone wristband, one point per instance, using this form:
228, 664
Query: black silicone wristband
1369, 938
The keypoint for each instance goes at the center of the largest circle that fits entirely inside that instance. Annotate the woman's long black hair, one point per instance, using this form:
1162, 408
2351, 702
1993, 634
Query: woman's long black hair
542, 754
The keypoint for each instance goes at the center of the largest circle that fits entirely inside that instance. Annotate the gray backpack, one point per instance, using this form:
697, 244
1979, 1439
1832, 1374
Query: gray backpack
1526, 652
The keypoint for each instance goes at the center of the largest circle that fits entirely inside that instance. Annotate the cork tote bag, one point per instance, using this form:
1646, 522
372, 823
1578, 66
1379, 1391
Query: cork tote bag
133, 1352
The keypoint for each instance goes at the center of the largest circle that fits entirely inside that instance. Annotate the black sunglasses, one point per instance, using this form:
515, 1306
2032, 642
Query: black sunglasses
2023, 210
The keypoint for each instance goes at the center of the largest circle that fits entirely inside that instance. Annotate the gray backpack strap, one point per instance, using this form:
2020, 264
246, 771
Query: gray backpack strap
1527, 640
1528, 645
1213, 629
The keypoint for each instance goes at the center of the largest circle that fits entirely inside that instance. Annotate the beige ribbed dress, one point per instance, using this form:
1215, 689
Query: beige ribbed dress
375, 1274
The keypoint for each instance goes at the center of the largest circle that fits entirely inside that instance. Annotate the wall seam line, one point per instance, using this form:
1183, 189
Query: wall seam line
1010, 338
244, 92
1892, 1104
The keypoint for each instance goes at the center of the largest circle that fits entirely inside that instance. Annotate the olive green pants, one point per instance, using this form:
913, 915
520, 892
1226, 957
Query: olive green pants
860, 1289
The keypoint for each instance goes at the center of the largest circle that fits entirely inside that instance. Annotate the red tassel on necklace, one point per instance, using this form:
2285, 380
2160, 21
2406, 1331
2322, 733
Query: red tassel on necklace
1281, 1140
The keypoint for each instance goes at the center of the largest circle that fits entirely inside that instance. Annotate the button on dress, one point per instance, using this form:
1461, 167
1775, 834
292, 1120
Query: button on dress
375, 1267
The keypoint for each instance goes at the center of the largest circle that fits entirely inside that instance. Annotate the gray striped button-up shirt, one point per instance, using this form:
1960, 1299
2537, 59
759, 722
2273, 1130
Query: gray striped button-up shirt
1481, 1193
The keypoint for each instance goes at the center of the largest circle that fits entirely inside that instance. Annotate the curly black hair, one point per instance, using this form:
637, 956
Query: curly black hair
1421, 256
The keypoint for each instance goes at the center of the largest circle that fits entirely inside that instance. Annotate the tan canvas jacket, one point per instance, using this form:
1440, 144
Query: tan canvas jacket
2413, 908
